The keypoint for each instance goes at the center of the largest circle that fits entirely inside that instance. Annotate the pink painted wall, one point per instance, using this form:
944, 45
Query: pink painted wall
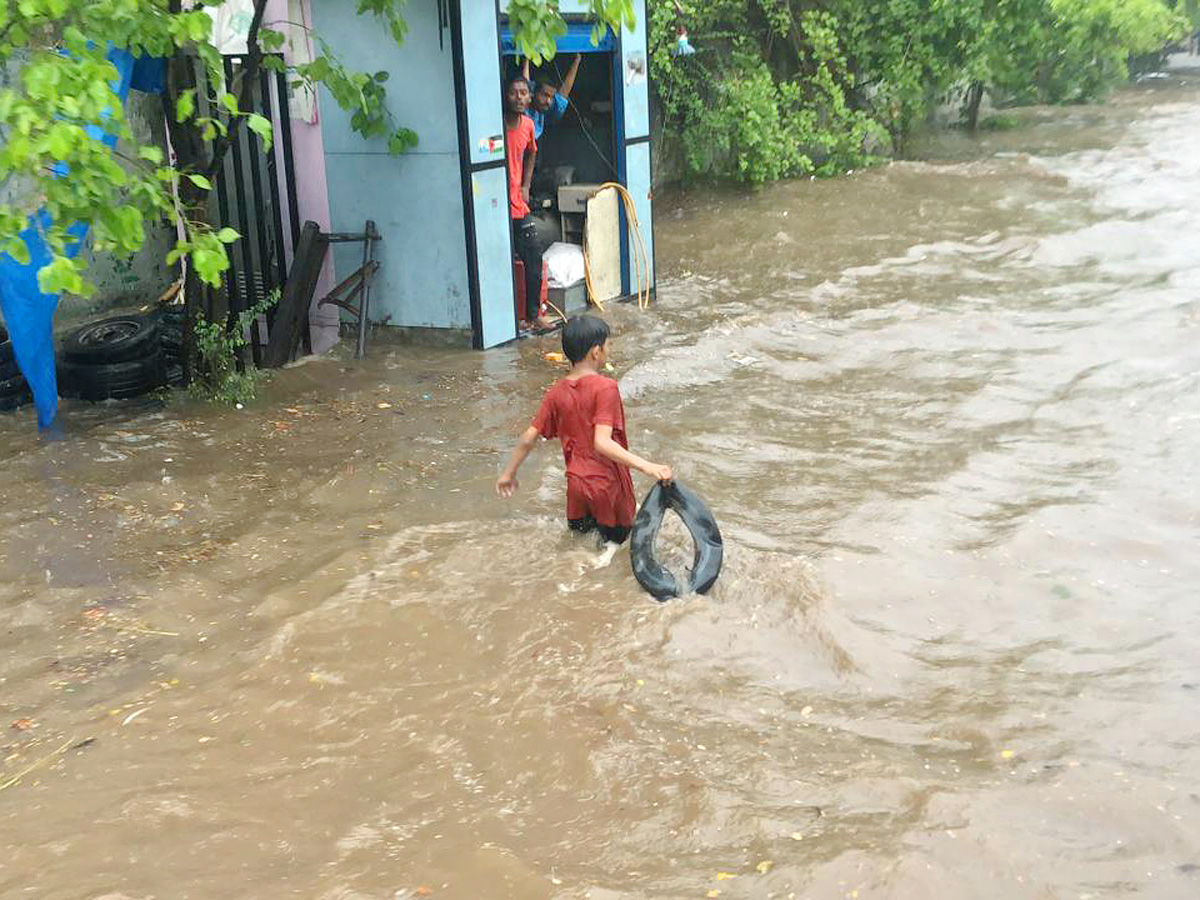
312, 191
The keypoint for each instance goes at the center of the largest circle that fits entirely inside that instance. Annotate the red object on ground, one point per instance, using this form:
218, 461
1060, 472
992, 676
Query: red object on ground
519, 289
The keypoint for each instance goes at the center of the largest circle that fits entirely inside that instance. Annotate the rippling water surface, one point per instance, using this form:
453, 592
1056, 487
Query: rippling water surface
947, 413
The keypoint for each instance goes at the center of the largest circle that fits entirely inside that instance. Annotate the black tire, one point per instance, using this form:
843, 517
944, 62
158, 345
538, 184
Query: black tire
170, 333
8, 367
12, 384
14, 393
111, 381
119, 339
6, 350
710, 550
9, 402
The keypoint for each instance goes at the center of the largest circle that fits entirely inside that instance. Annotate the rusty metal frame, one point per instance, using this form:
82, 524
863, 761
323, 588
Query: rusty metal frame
357, 283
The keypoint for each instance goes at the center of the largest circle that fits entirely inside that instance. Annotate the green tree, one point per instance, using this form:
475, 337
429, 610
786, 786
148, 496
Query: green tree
786, 87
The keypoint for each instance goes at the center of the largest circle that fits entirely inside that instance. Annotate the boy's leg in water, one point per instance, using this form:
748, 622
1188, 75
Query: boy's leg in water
613, 534
586, 525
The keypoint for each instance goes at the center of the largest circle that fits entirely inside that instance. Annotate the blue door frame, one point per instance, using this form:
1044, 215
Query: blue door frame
578, 39
483, 174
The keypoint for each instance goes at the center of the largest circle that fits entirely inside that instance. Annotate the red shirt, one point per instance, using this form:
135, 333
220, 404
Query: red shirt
516, 141
596, 485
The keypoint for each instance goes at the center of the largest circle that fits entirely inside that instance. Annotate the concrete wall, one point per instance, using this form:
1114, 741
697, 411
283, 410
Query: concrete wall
416, 200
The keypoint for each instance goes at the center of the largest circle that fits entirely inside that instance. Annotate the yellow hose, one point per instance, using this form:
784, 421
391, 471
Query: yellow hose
641, 257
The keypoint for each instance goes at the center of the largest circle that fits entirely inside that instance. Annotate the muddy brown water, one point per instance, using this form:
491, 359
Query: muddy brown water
948, 415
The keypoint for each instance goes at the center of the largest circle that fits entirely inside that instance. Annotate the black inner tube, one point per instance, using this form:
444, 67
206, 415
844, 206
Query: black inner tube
658, 581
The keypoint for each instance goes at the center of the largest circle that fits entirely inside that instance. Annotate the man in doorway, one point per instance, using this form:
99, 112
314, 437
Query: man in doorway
520, 147
549, 102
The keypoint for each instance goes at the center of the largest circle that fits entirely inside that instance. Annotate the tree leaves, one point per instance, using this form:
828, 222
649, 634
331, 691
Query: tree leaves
185, 105
262, 127
780, 88
403, 140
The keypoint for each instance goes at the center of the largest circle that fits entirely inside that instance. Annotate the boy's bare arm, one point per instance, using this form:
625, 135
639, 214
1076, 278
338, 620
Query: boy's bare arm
569, 82
603, 441
527, 173
507, 484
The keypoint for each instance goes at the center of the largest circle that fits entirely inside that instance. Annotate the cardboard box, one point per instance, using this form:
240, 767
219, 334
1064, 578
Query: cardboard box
573, 198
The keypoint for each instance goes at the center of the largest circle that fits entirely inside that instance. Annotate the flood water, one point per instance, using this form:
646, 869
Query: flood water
947, 413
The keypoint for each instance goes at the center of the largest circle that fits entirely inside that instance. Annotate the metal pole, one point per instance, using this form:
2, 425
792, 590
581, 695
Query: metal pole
364, 307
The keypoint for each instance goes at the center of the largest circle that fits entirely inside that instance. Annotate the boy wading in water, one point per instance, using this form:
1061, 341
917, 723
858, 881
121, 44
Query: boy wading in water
520, 147
584, 411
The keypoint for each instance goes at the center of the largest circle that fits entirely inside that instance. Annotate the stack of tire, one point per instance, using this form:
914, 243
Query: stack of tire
170, 332
113, 359
14, 392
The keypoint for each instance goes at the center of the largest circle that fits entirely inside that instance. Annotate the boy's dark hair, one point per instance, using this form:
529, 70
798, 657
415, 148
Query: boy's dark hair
581, 334
513, 79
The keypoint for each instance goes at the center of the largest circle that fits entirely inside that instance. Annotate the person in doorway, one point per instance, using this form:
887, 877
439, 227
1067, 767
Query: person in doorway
550, 101
520, 148
584, 411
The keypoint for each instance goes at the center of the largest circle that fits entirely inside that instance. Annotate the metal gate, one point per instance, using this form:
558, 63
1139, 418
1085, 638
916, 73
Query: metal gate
256, 195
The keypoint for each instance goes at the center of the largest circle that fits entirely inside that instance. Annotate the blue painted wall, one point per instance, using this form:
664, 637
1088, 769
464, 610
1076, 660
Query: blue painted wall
416, 199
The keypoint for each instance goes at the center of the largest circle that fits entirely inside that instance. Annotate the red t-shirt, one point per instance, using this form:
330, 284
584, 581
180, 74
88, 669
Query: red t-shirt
516, 141
596, 485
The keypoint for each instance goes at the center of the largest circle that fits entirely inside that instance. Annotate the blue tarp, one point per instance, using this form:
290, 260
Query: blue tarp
28, 313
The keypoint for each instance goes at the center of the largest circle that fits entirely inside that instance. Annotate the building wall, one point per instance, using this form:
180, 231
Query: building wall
416, 199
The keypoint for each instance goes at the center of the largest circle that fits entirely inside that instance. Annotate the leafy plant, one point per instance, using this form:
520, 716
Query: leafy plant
779, 88
220, 376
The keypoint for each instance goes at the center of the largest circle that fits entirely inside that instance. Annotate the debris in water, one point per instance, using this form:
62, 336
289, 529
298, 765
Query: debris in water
764, 867
23, 724
797, 836
133, 715
37, 764
725, 876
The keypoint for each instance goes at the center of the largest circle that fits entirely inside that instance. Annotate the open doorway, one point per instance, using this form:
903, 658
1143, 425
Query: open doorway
577, 153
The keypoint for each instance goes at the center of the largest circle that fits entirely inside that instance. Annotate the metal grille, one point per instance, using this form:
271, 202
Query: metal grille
256, 196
